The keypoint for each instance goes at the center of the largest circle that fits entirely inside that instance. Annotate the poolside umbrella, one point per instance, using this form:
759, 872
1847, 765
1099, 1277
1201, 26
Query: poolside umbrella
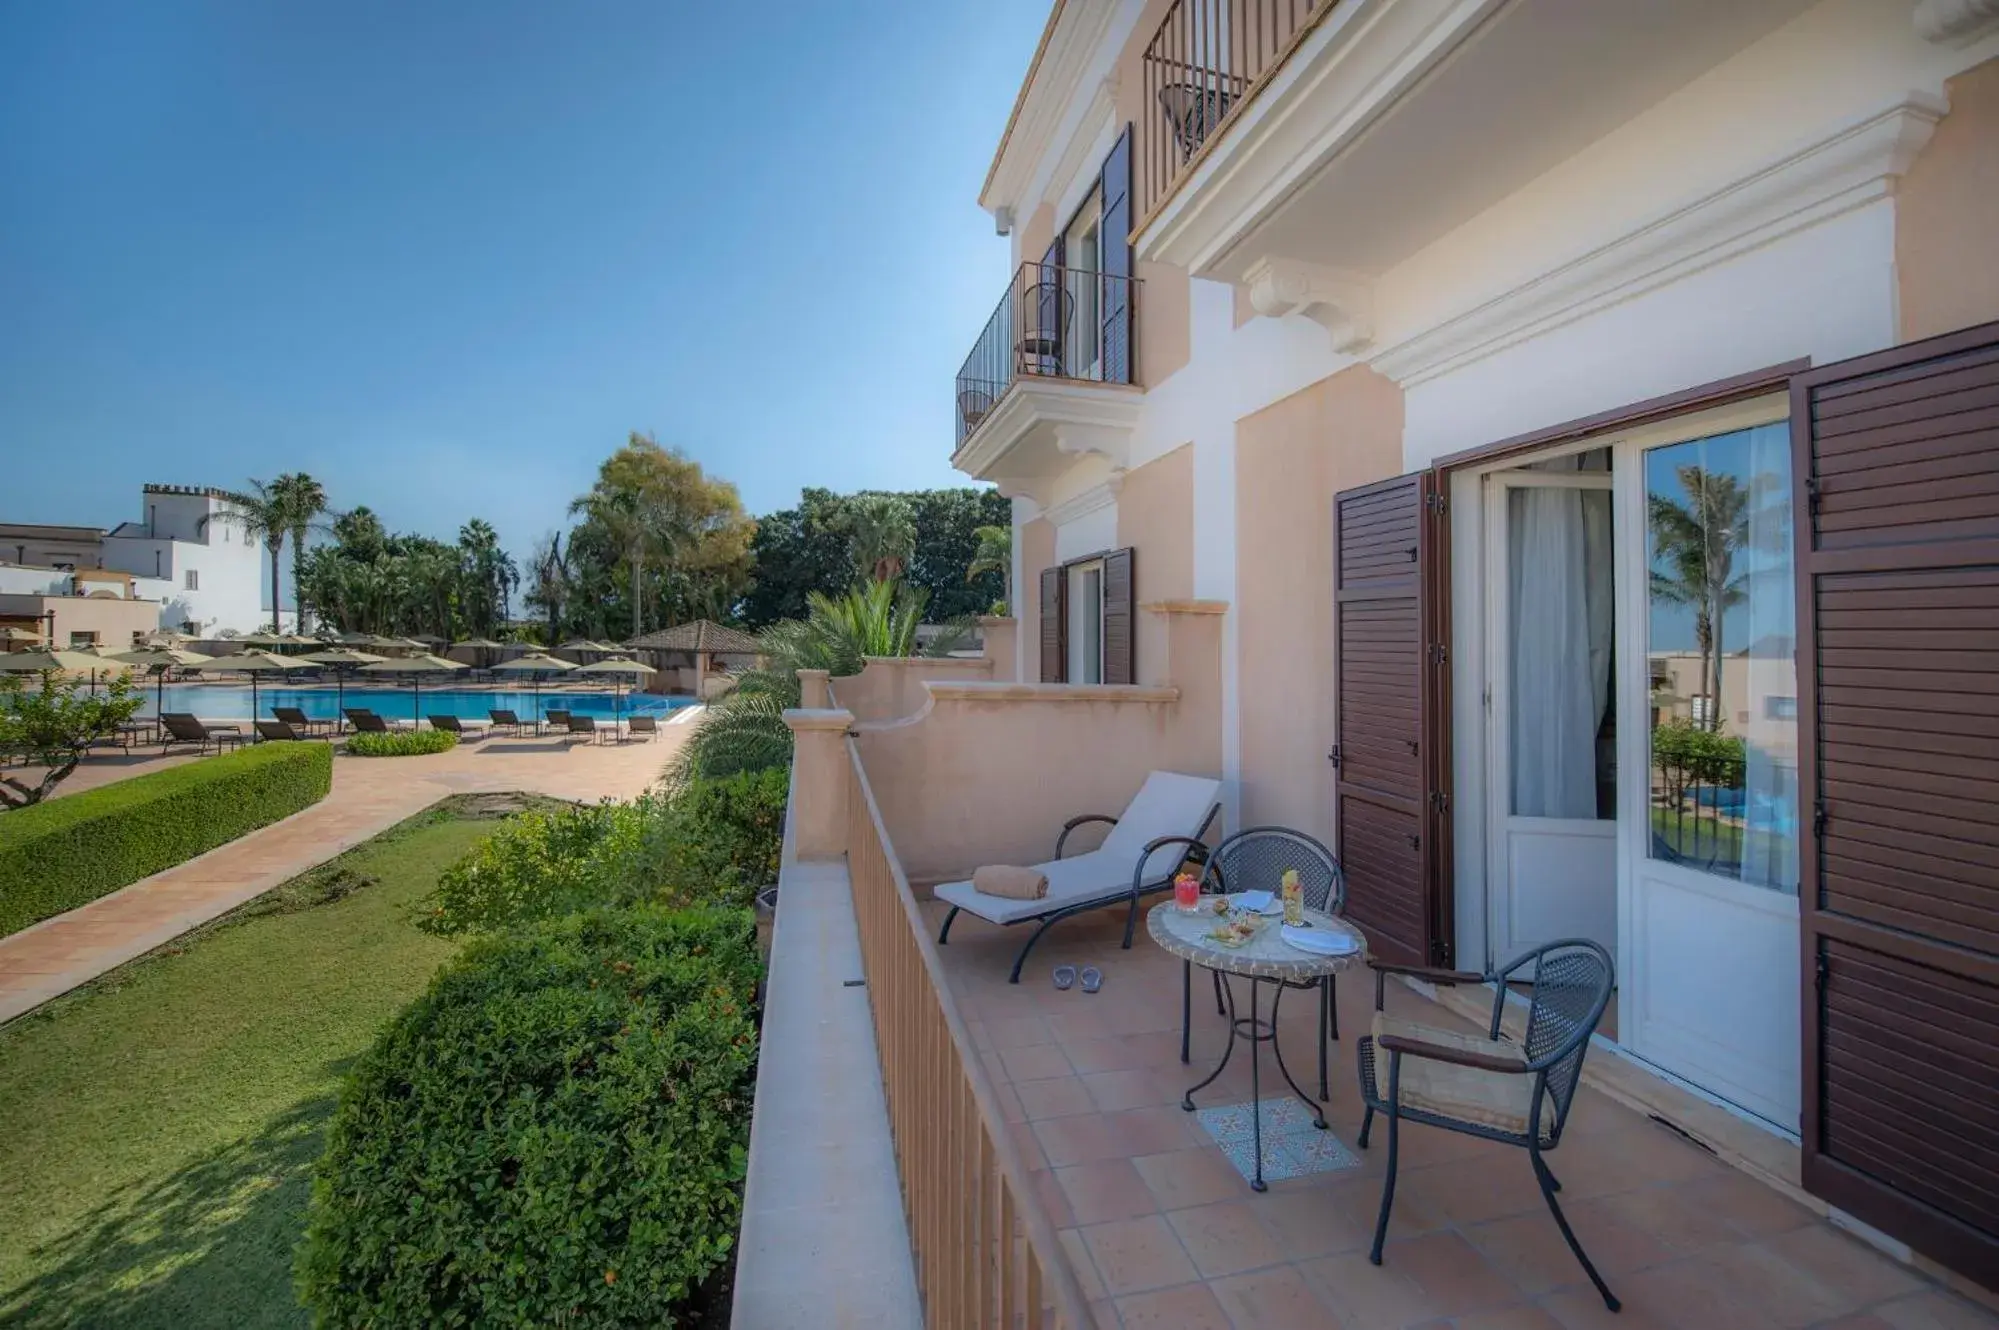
416, 667
255, 663
341, 658
42, 662
159, 659
480, 645
617, 666
260, 640
537, 664
12, 636
356, 639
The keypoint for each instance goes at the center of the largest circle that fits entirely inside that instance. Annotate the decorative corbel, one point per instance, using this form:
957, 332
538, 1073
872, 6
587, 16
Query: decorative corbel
1340, 302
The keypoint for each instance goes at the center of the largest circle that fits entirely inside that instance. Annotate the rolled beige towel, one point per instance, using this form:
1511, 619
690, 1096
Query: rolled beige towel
1019, 884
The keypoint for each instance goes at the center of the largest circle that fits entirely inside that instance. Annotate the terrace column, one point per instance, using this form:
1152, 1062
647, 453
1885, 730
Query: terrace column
1001, 633
813, 692
821, 774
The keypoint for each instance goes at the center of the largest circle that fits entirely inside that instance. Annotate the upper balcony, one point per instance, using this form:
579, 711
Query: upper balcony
1303, 149
1050, 376
1205, 63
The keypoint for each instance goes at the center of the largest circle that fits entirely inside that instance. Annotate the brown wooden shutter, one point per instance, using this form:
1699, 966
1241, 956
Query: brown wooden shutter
1115, 239
1393, 695
1897, 494
1054, 626
1120, 660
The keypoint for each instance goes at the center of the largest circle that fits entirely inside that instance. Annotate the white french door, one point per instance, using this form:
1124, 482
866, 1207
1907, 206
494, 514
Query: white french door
1552, 847
1707, 810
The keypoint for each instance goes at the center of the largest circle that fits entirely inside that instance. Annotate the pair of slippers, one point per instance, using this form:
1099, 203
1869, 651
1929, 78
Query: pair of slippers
1065, 977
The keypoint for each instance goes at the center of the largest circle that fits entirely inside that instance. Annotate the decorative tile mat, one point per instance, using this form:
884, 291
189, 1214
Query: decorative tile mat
1292, 1146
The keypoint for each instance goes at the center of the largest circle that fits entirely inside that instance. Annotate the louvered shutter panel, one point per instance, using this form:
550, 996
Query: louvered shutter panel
1115, 232
1120, 662
1391, 704
1054, 625
1896, 458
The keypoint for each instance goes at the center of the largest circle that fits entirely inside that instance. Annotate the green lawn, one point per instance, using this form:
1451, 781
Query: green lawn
160, 1126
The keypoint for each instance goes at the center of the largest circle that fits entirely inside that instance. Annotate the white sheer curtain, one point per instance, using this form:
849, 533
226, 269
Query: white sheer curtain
1559, 593
1768, 659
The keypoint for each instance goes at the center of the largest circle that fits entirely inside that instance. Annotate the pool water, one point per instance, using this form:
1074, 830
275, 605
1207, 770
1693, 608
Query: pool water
322, 702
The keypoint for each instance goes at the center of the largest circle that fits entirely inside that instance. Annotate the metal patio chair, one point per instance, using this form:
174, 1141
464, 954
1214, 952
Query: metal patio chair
1255, 859
1514, 1093
1046, 307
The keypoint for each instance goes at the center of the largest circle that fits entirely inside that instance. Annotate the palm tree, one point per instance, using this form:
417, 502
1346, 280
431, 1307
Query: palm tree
305, 501
881, 534
1697, 540
993, 555
265, 514
624, 517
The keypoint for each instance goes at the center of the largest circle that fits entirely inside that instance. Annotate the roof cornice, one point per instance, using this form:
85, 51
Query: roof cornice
1069, 45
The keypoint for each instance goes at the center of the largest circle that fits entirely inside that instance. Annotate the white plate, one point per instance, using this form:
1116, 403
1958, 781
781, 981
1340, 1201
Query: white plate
1257, 902
1319, 941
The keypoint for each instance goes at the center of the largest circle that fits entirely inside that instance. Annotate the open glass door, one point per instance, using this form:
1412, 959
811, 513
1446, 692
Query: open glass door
1552, 846
1709, 809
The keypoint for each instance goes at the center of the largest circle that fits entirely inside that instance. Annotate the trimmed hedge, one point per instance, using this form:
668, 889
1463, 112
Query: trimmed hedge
556, 1133
66, 852
402, 743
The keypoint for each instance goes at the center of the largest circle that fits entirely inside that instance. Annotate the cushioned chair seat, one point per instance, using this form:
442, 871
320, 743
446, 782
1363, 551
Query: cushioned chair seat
1469, 1094
1070, 882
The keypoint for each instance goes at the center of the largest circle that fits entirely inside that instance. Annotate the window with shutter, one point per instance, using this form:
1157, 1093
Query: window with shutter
1896, 463
1054, 625
1115, 301
1392, 705
1120, 664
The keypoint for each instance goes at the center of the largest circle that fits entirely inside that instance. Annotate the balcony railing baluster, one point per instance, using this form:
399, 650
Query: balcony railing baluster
1204, 63
1053, 322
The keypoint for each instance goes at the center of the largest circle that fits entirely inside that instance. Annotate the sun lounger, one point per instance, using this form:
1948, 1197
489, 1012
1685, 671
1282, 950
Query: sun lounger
182, 728
366, 722
585, 726
278, 729
1160, 829
507, 719
646, 725
453, 725
298, 720
558, 719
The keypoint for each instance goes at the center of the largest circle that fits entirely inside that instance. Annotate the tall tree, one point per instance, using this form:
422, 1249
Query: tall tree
548, 587
994, 555
265, 514
881, 534
667, 524
305, 499
489, 577
1697, 539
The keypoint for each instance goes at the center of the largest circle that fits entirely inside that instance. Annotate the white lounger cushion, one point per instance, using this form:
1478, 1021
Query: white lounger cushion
1169, 804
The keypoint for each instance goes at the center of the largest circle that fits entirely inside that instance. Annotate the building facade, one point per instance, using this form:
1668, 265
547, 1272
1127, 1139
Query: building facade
1585, 424
188, 551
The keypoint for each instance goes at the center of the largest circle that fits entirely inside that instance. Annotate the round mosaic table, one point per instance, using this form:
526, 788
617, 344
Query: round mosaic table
1264, 959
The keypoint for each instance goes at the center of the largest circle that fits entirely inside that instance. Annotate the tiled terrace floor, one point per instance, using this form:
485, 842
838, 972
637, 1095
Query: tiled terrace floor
1164, 1232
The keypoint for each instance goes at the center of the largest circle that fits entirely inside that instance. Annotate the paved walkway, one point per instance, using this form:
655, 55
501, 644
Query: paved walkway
369, 795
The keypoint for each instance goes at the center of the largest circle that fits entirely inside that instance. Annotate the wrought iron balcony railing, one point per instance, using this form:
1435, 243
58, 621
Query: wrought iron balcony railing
1053, 322
1206, 61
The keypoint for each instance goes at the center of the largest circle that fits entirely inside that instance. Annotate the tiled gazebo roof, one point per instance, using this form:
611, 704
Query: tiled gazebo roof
699, 635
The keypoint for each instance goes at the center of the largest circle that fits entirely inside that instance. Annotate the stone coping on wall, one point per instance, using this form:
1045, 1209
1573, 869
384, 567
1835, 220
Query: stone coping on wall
1185, 606
1051, 692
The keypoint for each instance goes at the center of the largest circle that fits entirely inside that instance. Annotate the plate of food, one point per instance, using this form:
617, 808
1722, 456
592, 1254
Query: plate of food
1258, 902
1235, 931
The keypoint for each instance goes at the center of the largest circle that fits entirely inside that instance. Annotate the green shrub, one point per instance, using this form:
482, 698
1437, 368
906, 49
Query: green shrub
535, 866
716, 840
402, 743
554, 1134
58, 855
710, 842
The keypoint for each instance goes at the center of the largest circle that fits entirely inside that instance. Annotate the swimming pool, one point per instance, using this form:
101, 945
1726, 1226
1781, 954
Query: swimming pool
321, 701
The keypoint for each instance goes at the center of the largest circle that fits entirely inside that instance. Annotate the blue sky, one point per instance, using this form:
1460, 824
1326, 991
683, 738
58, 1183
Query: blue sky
444, 256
